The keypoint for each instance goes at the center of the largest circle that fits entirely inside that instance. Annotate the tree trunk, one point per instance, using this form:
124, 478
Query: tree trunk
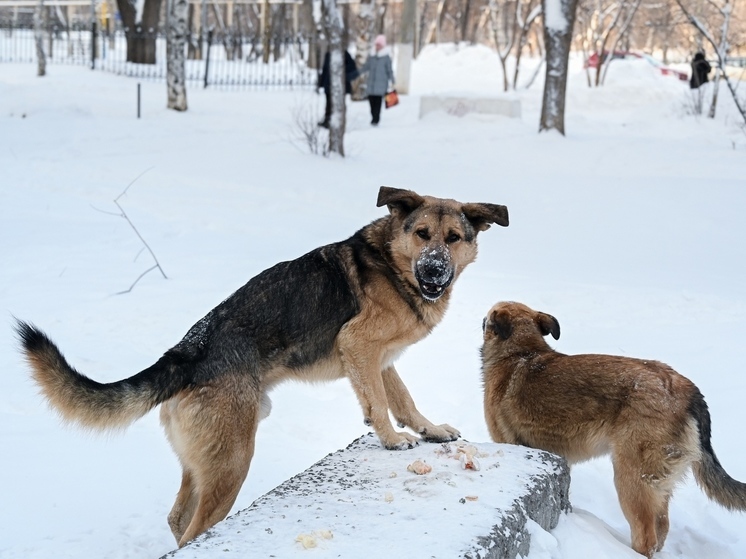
265, 29
310, 23
715, 90
524, 25
141, 29
559, 19
175, 63
405, 46
194, 25
41, 57
336, 77
366, 21
465, 16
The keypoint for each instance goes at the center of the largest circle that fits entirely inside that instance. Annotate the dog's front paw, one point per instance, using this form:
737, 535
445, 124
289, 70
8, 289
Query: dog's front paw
400, 441
439, 433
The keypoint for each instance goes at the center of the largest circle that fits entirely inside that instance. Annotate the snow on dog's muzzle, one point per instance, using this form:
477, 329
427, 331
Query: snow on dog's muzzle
433, 272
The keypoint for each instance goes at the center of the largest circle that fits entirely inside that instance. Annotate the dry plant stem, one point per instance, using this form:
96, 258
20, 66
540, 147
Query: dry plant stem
124, 215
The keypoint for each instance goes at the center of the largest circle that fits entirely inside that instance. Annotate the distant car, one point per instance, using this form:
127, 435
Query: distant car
592, 62
665, 70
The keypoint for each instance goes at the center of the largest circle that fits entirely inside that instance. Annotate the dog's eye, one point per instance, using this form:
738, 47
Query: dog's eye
453, 238
423, 234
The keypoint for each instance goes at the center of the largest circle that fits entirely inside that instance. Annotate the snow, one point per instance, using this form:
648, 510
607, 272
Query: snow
629, 230
554, 16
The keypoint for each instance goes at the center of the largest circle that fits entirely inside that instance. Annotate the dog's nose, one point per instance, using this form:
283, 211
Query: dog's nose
434, 270
434, 266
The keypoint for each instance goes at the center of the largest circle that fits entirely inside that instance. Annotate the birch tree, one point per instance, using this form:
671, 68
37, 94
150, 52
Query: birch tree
504, 37
335, 27
175, 47
366, 24
559, 19
533, 7
724, 11
510, 27
41, 57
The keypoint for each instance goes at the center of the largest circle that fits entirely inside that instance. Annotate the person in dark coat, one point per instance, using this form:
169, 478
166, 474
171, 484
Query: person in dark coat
351, 73
700, 69
380, 75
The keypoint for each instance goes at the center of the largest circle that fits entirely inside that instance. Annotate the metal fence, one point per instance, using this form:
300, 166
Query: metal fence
226, 61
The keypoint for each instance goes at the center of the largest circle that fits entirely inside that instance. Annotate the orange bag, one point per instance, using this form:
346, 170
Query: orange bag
391, 99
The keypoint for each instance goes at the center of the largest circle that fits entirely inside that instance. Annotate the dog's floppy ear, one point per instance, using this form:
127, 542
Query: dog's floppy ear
399, 200
501, 324
482, 216
547, 325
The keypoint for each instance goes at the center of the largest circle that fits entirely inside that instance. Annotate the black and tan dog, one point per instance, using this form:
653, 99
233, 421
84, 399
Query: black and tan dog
653, 421
343, 310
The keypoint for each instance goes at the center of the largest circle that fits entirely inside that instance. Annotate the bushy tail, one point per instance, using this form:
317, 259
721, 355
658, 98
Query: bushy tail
88, 403
710, 475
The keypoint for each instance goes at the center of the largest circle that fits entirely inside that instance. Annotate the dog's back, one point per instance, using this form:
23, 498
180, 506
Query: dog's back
579, 406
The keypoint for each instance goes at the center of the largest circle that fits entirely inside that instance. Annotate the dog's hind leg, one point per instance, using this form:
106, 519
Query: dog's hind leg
406, 413
183, 510
662, 522
641, 502
212, 429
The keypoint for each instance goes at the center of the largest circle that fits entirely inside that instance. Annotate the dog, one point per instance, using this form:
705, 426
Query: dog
653, 421
348, 309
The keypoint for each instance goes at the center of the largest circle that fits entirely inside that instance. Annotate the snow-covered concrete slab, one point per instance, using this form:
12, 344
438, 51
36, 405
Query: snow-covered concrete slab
460, 105
365, 501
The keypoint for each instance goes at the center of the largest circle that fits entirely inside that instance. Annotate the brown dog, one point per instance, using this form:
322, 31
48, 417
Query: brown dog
343, 310
653, 421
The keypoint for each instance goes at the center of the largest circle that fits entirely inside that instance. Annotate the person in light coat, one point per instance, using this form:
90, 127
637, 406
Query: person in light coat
380, 75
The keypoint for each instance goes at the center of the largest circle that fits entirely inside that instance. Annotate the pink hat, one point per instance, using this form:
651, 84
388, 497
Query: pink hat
380, 41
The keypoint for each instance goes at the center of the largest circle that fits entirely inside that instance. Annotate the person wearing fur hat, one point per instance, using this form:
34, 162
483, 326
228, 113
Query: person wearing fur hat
380, 75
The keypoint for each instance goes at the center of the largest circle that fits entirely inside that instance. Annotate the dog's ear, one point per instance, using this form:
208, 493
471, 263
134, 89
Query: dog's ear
501, 324
482, 216
399, 200
547, 325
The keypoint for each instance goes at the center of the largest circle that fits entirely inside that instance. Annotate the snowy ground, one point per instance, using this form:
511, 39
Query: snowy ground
630, 231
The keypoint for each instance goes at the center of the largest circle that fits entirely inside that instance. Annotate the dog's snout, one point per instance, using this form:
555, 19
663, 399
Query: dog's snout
434, 271
434, 265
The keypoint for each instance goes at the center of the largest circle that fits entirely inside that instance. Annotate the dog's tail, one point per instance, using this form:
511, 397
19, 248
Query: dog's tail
710, 475
90, 404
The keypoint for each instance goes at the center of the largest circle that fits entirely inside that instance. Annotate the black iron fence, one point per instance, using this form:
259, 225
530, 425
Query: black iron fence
214, 59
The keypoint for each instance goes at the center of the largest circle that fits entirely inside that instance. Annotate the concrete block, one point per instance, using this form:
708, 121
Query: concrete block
460, 106
363, 501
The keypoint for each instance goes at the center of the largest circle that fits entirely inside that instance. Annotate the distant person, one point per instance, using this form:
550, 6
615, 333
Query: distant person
351, 73
700, 69
380, 74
